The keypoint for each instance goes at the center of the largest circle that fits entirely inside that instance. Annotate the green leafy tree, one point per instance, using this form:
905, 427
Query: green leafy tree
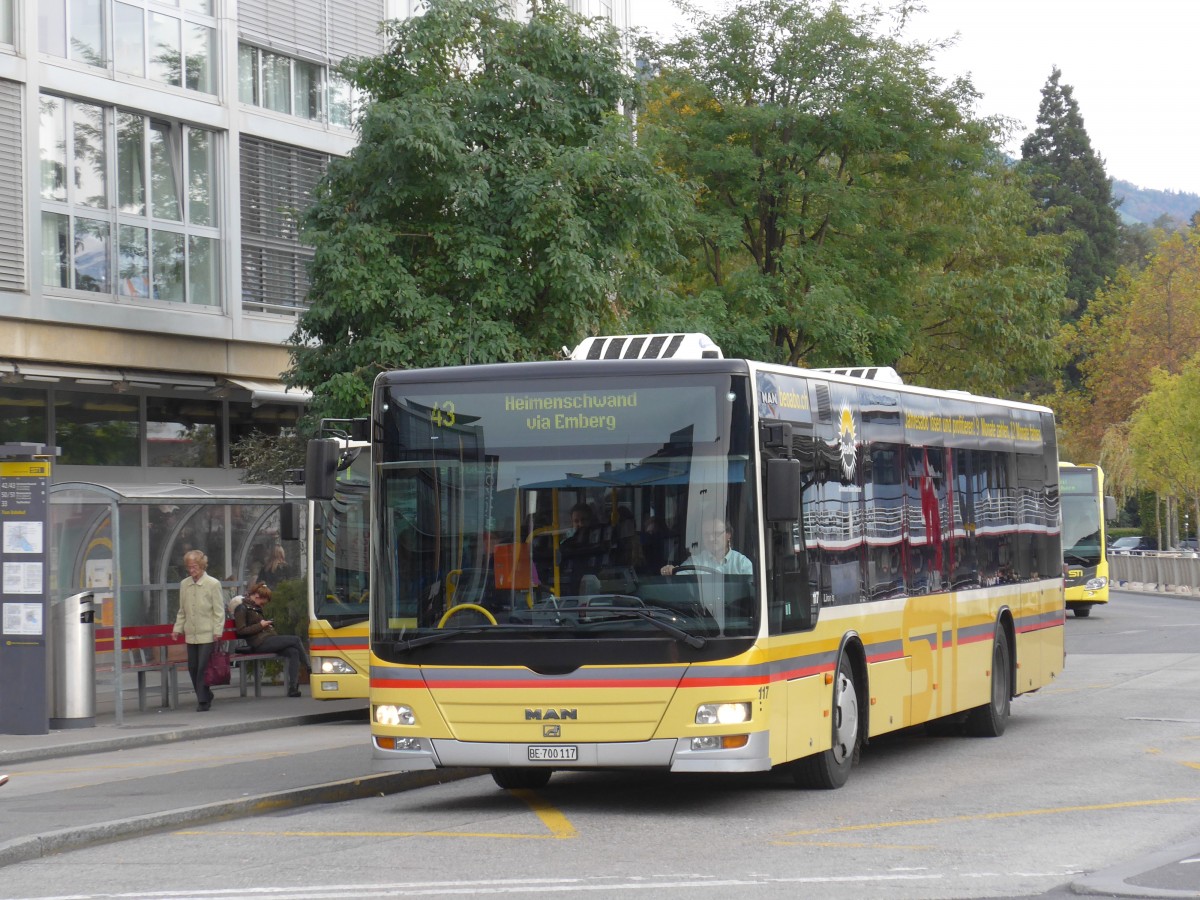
1141, 319
496, 207
1066, 172
1163, 434
987, 313
848, 208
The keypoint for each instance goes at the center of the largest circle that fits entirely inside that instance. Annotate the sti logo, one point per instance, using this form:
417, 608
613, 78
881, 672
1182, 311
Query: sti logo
547, 715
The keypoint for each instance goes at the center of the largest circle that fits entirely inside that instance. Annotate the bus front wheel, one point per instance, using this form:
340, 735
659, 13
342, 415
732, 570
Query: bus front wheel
831, 768
1082, 611
527, 778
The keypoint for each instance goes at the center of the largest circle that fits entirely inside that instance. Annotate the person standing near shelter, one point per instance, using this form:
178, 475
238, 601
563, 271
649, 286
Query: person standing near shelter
259, 633
201, 621
275, 567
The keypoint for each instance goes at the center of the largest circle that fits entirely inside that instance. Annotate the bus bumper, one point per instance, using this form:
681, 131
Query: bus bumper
673, 754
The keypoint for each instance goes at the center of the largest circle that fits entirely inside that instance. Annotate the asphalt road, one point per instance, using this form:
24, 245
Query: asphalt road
1094, 789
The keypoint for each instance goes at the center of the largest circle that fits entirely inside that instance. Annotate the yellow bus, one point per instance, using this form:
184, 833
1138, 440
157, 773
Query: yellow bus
1085, 512
651, 556
338, 585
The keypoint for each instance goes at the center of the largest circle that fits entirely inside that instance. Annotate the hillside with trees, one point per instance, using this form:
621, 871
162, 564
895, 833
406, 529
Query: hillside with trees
1151, 207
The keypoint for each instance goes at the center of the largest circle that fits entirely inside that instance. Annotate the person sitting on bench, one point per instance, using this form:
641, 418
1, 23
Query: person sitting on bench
259, 632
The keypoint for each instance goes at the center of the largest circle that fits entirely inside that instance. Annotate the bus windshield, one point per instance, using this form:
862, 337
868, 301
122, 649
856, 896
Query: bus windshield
1081, 515
563, 510
340, 545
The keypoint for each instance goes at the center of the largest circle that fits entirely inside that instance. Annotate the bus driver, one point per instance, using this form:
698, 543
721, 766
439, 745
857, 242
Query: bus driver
716, 554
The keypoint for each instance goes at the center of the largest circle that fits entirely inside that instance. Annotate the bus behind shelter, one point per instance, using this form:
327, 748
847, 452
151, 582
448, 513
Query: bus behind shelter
125, 543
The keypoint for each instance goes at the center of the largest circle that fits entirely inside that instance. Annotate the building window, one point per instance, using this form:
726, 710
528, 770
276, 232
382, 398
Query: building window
137, 222
182, 432
12, 188
97, 429
293, 86
6, 22
246, 421
278, 182
175, 47
24, 415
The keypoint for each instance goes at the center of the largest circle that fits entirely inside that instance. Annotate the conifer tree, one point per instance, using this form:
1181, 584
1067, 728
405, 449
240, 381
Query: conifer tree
1066, 172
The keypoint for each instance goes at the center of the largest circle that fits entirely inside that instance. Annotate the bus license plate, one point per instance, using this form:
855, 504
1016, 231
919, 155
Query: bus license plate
553, 754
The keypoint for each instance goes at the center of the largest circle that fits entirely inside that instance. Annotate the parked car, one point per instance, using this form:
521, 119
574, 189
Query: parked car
1132, 542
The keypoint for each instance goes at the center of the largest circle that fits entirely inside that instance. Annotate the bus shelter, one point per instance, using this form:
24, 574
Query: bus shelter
125, 543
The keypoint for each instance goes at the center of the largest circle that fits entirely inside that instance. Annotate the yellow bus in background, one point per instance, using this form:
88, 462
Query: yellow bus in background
1085, 514
651, 556
339, 577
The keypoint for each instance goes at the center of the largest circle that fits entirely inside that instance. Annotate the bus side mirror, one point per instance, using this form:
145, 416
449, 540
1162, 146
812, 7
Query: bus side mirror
289, 522
781, 490
320, 468
1110, 509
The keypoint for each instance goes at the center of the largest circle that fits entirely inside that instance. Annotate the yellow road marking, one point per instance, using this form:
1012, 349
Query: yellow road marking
560, 827
1096, 807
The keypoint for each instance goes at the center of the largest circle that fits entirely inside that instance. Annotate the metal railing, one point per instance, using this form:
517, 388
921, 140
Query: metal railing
1153, 570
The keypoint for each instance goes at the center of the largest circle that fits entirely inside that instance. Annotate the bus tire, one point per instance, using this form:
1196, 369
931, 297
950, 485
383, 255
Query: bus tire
1081, 612
830, 768
991, 719
521, 777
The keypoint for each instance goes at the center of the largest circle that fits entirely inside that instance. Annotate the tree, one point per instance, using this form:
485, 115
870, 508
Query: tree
841, 199
496, 207
987, 313
1140, 320
1163, 434
1066, 172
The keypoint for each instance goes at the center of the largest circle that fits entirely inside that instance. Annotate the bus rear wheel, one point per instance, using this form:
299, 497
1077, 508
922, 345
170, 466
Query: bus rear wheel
527, 778
991, 719
831, 768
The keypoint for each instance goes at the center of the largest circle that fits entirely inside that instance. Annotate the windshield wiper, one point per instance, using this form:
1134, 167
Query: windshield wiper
439, 635
646, 615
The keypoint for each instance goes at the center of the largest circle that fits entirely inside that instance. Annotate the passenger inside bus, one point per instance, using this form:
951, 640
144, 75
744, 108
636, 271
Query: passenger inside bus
584, 550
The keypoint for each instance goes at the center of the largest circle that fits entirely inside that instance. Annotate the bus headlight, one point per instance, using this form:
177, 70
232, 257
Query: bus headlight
722, 713
1095, 584
394, 714
331, 665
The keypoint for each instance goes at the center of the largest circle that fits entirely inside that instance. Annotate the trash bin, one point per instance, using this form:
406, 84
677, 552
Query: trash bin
73, 662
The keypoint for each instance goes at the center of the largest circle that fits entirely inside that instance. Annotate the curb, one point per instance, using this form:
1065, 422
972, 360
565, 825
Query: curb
37, 846
127, 742
1115, 880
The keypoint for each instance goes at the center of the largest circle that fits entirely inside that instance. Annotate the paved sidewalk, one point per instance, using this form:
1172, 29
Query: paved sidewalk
230, 714
113, 782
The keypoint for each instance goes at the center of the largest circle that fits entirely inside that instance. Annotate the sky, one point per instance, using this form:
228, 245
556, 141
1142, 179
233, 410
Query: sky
1130, 63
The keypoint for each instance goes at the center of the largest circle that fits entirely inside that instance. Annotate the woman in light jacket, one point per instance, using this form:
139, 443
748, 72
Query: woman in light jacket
201, 621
